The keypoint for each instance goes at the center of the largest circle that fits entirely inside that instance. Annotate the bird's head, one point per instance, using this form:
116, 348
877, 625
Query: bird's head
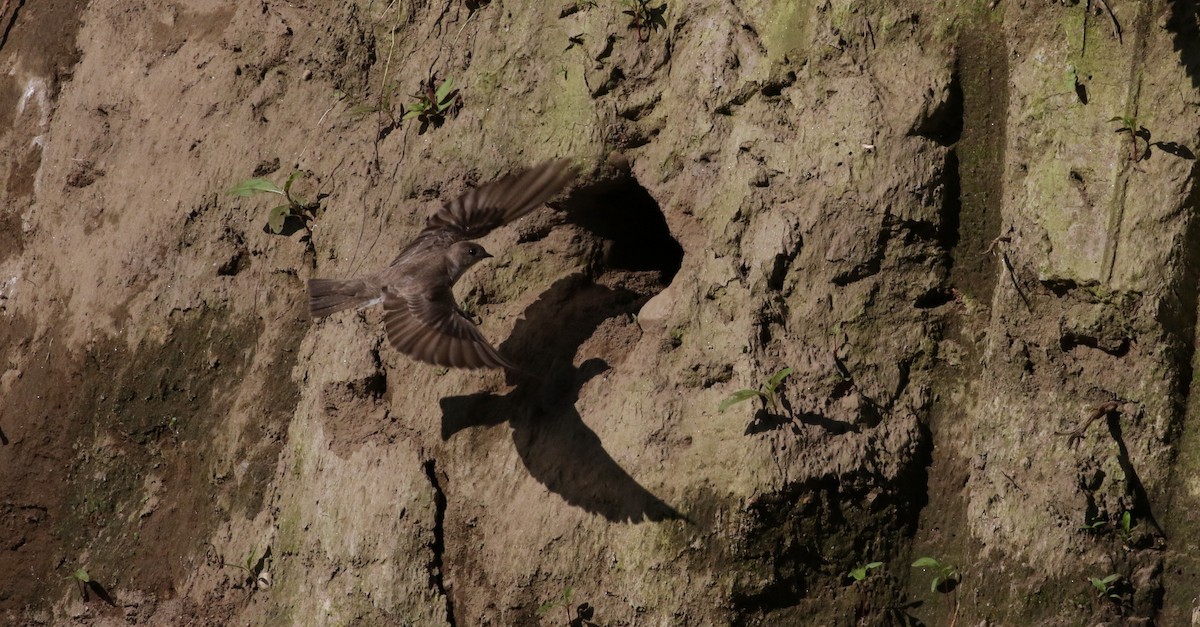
463, 255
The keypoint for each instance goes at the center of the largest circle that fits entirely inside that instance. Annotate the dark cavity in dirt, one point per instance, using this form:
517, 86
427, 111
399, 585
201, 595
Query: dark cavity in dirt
629, 221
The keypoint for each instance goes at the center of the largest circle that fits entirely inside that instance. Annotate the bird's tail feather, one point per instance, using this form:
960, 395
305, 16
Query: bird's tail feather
327, 296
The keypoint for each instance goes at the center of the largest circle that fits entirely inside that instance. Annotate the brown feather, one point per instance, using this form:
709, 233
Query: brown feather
430, 331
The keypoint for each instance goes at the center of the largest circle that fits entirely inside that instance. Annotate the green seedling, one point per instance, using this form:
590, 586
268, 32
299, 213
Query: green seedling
583, 613
644, 18
1126, 527
255, 567
294, 207
945, 576
1129, 124
564, 600
767, 391
1106, 588
1072, 78
81, 576
860, 573
82, 580
1123, 527
432, 104
576, 7
85, 583
384, 105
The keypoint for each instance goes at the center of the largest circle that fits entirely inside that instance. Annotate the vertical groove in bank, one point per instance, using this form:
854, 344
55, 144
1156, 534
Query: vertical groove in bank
975, 195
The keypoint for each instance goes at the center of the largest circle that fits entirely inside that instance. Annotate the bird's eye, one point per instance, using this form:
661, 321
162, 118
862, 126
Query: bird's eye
472, 251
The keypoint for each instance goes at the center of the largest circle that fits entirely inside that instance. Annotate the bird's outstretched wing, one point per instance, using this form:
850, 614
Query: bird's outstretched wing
477, 212
429, 327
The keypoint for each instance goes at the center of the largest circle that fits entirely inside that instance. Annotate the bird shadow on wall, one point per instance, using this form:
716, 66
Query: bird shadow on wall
554, 443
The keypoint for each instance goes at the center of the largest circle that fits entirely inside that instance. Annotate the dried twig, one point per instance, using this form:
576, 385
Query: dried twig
1103, 410
1006, 238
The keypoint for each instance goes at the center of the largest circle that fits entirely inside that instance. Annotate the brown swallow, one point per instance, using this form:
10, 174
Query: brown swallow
421, 316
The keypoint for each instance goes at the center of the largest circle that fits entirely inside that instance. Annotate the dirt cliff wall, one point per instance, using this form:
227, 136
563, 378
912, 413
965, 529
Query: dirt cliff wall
928, 211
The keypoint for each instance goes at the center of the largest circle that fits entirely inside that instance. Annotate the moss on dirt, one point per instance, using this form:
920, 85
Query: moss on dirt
787, 30
141, 477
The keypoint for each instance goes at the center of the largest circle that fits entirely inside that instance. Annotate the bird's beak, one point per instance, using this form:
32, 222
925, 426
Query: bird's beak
486, 255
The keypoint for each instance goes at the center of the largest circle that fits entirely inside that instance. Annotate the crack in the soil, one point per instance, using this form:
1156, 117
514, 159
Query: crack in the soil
438, 546
11, 21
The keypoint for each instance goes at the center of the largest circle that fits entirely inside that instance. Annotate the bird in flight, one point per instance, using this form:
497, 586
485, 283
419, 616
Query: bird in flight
420, 314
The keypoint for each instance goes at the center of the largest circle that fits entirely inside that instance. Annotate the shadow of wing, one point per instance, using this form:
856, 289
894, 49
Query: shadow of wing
567, 457
557, 448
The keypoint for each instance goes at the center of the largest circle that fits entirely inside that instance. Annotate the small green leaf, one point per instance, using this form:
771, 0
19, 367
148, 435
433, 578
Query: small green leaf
444, 90
1130, 122
738, 397
416, 109
567, 594
933, 587
276, 219
82, 576
546, 607
287, 186
250, 187
927, 562
860, 573
1104, 586
778, 378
